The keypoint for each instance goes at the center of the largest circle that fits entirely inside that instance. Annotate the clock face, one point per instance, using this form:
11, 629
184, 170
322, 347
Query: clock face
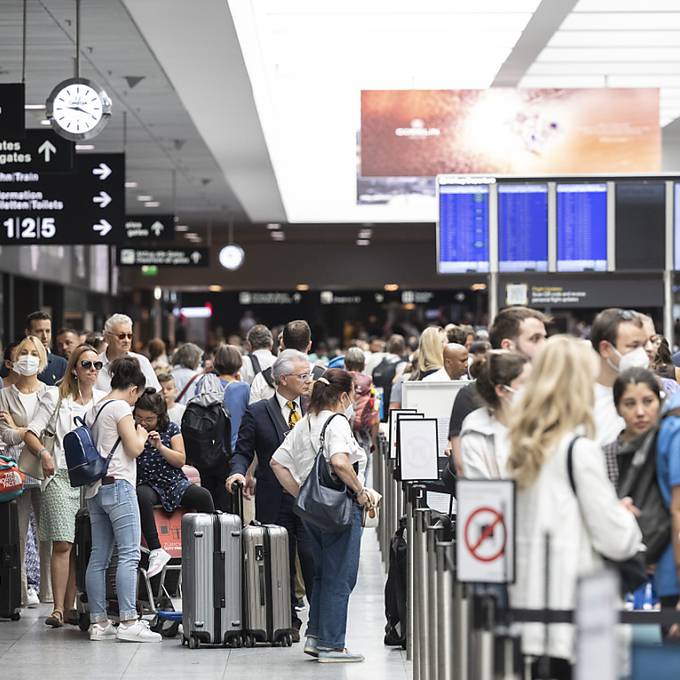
78, 109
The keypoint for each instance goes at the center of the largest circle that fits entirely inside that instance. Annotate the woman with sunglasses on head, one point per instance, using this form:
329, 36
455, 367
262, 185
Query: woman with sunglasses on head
60, 502
160, 480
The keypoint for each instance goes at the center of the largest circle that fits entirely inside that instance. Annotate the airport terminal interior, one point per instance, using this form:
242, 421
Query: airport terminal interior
340, 339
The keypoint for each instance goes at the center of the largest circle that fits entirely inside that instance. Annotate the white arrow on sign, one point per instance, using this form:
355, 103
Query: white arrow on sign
157, 228
103, 227
47, 149
103, 199
195, 257
103, 171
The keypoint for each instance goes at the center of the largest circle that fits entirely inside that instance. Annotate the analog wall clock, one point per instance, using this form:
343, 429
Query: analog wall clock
78, 109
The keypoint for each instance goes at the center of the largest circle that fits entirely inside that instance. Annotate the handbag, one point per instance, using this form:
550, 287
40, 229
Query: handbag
324, 500
632, 572
29, 463
84, 462
11, 479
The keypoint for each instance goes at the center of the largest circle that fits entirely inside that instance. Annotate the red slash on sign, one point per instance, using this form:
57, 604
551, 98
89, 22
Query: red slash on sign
489, 544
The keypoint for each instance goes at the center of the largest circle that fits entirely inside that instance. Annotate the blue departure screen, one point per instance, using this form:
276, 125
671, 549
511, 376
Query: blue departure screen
523, 227
581, 227
463, 229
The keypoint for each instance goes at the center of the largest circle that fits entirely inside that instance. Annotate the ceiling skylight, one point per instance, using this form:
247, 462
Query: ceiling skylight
607, 43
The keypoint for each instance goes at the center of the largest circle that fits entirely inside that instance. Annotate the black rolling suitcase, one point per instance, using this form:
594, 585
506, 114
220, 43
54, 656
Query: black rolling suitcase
10, 562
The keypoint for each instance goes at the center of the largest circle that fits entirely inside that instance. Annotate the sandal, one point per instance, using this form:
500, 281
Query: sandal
55, 619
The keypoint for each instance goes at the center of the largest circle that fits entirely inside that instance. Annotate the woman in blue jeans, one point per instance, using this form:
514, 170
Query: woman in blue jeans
336, 554
112, 503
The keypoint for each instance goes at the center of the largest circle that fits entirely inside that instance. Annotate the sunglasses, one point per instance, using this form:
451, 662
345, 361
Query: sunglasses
87, 365
124, 336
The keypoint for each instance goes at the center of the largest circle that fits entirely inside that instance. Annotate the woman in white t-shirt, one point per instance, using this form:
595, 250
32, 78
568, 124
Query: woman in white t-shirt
18, 404
336, 555
60, 502
112, 503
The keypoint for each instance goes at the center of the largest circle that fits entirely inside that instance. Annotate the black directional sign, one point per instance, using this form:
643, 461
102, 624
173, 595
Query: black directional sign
39, 151
83, 207
12, 102
164, 257
140, 228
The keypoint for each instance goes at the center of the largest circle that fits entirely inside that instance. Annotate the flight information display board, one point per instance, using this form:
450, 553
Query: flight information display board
582, 227
676, 226
523, 227
463, 228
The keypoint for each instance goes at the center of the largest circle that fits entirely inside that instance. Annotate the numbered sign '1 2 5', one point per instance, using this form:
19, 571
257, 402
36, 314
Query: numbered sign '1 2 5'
29, 228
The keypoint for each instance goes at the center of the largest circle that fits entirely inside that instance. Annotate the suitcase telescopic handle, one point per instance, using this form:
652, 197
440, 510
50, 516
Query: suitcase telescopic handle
238, 499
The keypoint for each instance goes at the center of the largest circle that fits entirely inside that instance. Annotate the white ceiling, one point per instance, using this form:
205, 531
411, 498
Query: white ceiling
255, 103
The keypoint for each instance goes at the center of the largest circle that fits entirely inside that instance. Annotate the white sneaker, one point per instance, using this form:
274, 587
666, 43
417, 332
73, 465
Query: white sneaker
157, 560
100, 631
137, 632
32, 599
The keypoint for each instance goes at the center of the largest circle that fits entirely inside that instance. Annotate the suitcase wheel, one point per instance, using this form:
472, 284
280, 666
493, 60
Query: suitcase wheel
287, 641
84, 621
15, 617
249, 640
194, 643
169, 629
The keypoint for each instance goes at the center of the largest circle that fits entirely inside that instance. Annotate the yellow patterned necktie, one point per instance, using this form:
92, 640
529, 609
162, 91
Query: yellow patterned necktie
294, 415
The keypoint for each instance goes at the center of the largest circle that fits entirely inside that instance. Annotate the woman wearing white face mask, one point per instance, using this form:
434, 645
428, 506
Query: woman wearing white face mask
484, 442
18, 404
336, 554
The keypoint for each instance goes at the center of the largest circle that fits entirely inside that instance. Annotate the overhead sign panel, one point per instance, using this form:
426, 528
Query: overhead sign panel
38, 151
150, 228
83, 207
164, 257
12, 102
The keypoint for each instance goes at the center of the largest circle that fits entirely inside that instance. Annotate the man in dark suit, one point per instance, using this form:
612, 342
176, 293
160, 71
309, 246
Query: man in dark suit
39, 324
263, 427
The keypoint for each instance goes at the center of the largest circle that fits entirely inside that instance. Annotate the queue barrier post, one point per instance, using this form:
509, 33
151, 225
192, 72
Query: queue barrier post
483, 637
438, 530
415, 498
461, 632
421, 659
445, 609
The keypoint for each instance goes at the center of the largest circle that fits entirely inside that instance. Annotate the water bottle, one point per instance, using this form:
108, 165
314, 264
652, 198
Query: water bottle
648, 598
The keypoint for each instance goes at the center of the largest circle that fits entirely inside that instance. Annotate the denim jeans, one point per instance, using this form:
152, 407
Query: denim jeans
114, 518
336, 559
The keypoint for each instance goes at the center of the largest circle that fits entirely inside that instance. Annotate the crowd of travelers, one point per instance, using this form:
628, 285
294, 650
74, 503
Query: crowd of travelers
576, 422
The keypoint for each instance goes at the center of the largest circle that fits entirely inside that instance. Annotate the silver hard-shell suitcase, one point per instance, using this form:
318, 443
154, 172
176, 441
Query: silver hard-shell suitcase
211, 579
267, 611
266, 580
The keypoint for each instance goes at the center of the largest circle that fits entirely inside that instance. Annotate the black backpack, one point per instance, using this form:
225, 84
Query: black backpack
395, 590
206, 429
383, 376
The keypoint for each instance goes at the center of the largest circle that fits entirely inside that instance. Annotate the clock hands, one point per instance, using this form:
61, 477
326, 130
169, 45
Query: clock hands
77, 108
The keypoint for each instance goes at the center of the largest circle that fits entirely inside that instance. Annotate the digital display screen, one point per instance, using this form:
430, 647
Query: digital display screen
463, 229
582, 227
523, 227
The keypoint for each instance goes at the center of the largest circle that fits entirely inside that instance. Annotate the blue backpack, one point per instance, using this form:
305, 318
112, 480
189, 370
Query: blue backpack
84, 462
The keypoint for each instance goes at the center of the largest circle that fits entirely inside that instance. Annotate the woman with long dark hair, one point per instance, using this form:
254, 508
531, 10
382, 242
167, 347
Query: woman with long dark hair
336, 554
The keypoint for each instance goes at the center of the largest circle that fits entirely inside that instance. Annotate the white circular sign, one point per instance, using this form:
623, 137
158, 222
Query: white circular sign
231, 257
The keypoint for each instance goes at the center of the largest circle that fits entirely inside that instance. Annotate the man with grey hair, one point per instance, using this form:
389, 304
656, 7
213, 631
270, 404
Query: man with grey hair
185, 370
260, 358
263, 427
118, 335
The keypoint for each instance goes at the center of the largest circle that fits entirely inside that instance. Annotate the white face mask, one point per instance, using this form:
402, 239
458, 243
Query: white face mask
636, 359
26, 365
349, 411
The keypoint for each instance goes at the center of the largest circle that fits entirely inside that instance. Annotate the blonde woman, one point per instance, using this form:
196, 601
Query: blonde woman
18, 404
555, 407
60, 502
430, 352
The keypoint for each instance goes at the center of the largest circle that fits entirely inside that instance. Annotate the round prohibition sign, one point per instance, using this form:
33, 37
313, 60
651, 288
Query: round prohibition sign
491, 520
